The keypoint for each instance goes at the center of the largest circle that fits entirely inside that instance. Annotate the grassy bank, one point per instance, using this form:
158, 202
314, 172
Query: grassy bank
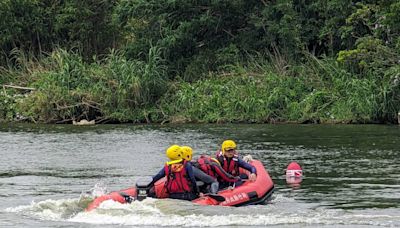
264, 90
68, 88
317, 92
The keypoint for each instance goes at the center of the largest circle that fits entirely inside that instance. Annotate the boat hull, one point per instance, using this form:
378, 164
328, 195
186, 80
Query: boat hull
249, 193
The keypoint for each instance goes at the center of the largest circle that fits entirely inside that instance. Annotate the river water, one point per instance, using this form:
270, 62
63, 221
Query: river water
49, 173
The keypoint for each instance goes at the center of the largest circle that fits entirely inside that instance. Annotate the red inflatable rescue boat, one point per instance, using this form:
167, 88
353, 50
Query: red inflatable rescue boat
248, 193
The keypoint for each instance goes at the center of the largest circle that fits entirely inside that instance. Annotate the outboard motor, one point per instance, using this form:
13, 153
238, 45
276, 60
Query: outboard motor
143, 187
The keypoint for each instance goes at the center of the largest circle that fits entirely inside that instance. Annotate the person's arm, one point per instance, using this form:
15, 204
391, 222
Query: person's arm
158, 176
247, 166
189, 171
223, 174
200, 175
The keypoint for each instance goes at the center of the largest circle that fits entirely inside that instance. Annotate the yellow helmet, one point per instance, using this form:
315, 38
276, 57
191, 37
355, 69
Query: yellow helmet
174, 152
187, 152
228, 145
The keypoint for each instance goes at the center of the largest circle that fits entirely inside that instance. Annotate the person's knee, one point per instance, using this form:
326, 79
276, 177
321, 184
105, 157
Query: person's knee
214, 187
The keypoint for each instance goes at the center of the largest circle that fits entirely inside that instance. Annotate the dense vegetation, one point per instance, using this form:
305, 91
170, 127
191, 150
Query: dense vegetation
200, 61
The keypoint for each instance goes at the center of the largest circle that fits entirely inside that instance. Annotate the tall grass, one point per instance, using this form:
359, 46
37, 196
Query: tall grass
267, 89
113, 88
317, 91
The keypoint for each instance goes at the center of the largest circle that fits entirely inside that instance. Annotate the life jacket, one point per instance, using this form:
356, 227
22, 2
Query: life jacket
212, 167
204, 163
177, 179
231, 166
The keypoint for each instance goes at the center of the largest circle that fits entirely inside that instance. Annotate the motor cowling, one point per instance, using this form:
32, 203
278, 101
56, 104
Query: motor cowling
143, 187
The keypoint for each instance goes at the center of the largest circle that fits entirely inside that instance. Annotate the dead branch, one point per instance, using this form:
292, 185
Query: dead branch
18, 87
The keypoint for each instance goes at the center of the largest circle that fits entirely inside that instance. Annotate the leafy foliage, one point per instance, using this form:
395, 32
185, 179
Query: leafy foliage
40, 26
115, 89
237, 60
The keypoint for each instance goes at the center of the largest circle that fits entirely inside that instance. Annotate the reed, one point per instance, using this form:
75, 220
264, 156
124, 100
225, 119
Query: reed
112, 88
266, 89
317, 91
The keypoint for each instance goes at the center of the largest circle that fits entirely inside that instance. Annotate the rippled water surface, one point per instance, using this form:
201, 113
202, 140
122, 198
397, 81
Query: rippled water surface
49, 173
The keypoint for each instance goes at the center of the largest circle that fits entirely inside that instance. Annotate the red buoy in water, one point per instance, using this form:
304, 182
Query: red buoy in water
294, 173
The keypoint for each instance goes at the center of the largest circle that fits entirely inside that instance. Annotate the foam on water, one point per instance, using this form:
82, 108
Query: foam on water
54, 210
152, 212
147, 213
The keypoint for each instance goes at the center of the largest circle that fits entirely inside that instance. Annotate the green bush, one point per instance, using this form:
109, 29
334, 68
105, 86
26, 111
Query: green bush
370, 56
114, 88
